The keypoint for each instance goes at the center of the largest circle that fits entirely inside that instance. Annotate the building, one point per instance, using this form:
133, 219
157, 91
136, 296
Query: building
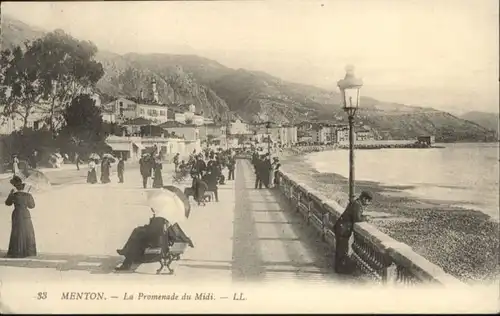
216, 130
149, 106
427, 140
108, 116
363, 134
238, 127
133, 126
288, 135
342, 135
189, 132
124, 109
323, 133
132, 148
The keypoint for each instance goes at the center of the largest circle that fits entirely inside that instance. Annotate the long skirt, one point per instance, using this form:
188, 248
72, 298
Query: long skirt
135, 245
92, 176
22, 237
158, 180
105, 177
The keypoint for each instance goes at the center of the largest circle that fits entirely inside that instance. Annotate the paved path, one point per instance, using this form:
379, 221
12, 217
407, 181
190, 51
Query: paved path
247, 237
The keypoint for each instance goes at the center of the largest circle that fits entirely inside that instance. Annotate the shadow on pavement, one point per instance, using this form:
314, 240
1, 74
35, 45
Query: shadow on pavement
64, 262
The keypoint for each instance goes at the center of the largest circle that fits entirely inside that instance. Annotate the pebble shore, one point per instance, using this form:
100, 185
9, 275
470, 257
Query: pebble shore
465, 243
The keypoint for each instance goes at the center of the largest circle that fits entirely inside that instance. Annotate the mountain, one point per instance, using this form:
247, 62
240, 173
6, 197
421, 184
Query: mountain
179, 79
487, 120
15, 32
223, 92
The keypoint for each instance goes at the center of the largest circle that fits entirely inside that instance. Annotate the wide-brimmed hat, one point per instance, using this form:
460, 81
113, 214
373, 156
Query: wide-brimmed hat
16, 180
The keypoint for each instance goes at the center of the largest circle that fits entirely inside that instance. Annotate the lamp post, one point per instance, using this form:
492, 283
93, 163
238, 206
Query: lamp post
268, 130
349, 91
228, 129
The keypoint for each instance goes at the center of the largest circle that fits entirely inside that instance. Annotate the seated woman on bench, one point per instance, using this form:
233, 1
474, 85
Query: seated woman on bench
153, 234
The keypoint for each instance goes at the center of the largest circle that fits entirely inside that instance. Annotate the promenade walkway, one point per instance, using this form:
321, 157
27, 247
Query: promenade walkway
249, 236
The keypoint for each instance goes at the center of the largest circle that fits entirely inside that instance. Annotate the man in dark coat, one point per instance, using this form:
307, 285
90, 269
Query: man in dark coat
230, 166
266, 167
145, 168
258, 172
344, 226
200, 165
211, 180
255, 158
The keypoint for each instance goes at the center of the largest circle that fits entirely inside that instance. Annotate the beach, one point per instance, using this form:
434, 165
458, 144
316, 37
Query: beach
463, 240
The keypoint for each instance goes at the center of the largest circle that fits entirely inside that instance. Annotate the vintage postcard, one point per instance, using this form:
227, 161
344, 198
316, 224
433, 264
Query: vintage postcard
334, 156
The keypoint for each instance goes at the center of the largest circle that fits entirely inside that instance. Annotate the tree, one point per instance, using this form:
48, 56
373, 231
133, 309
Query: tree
83, 123
21, 88
65, 68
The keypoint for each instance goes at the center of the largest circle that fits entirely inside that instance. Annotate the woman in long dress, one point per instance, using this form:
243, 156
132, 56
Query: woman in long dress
15, 165
105, 170
22, 237
92, 174
158, 178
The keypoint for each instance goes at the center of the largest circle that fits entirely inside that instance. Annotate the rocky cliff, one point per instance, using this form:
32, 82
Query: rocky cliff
222, 92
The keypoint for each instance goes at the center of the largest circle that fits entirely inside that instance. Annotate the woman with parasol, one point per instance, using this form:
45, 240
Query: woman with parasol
170, 207
22, 237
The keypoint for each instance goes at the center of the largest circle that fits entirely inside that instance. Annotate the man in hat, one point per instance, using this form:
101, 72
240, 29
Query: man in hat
145, 167
344, 226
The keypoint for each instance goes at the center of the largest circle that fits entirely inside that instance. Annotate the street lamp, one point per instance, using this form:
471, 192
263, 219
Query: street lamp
268, 130
349, 90
228, 130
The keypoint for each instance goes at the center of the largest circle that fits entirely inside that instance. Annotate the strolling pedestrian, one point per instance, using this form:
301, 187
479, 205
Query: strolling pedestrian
34, 159
145, 169
231, 166
198, 187
105, 170
92, 173
120, 169
258, 172
15, 165
22, 236
211, 179
176, 162
272, 171
265, 170
77, 161
343, 229
158, 178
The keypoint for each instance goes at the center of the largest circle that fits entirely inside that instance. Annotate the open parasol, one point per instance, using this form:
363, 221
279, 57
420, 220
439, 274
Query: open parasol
168, 204
180, 194
94, 156
110, 157
36, 181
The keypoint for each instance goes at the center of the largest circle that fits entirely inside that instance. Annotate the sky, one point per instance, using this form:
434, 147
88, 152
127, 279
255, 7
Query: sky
438, 53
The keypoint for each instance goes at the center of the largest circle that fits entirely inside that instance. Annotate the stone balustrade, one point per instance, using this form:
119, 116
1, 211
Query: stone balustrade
374, 253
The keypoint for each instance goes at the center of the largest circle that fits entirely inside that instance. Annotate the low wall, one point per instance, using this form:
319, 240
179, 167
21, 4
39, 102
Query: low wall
376, 254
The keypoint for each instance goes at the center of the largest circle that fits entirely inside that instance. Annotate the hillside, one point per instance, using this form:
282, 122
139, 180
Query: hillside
487, 120
223, 92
